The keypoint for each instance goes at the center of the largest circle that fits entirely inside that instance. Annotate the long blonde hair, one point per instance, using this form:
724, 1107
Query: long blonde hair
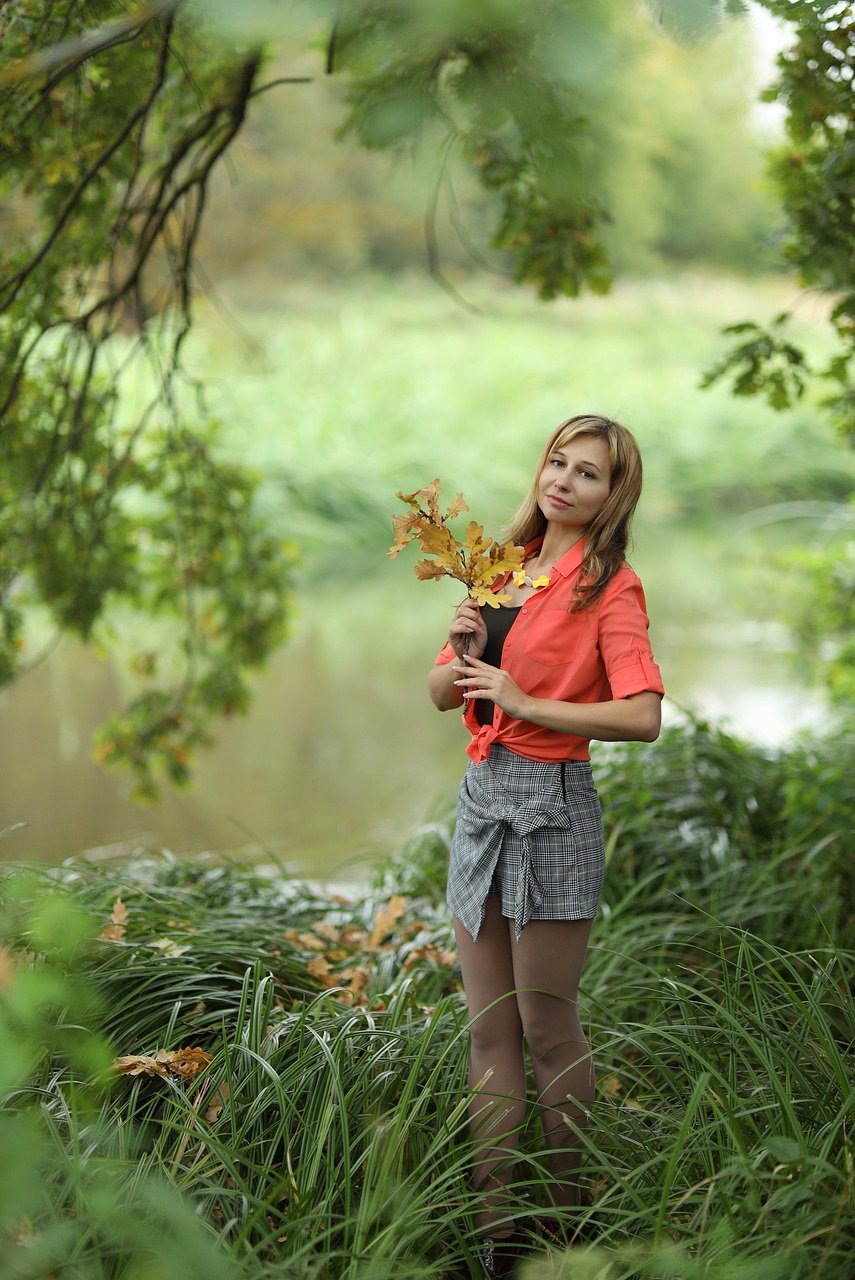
607, 536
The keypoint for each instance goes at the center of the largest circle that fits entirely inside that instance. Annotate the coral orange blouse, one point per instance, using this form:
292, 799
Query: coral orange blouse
596, 655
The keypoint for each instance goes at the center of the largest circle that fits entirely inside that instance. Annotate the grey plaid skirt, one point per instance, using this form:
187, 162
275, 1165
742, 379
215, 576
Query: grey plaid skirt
530, 831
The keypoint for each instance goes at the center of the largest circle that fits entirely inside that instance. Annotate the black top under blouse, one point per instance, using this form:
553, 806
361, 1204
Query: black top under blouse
498, 623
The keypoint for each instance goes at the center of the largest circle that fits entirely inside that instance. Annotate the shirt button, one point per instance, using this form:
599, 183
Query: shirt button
524, 610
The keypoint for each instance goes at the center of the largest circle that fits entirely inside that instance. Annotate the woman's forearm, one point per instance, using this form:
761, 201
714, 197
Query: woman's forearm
444, 694
634, 719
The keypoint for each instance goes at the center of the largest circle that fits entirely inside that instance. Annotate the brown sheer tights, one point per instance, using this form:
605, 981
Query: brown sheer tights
514, 991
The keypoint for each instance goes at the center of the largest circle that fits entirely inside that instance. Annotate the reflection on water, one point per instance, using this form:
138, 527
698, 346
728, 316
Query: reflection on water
342, 755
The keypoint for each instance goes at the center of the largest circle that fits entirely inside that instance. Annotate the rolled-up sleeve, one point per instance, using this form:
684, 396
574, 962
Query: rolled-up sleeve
623, 639
445, 655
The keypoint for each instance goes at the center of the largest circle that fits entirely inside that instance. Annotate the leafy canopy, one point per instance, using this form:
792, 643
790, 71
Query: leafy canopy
113, 117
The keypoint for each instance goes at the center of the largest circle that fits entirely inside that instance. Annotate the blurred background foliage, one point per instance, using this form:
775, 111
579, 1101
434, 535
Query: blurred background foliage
151, 153
678, 161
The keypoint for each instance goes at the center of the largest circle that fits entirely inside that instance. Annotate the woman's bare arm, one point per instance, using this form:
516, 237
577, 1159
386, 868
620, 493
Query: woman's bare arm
634, 719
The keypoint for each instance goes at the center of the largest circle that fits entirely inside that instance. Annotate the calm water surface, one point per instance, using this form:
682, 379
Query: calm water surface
343, 755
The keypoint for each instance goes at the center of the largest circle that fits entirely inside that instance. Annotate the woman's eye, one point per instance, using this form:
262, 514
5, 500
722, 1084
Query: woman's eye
558, 462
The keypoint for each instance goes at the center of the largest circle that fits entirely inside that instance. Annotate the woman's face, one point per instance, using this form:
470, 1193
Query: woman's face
574, 484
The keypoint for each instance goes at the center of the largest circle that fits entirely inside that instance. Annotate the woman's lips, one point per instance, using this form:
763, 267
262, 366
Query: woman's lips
558, 502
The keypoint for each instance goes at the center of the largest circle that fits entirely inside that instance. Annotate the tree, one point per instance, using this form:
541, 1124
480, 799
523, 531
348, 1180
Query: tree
814, 170
113, 117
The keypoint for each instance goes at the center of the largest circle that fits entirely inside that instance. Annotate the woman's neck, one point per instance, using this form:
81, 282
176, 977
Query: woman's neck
556, 543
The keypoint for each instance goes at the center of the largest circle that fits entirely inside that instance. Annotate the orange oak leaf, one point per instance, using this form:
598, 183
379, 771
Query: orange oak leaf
438, 541
456, 506
477, 561
476, 543
427, 569
404, 529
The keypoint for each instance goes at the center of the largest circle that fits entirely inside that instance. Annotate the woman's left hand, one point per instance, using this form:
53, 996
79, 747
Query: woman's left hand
478, 679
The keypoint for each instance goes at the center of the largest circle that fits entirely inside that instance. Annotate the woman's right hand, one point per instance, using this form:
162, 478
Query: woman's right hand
467, 633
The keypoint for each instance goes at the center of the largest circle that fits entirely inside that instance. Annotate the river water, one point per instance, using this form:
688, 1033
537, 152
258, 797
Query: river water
342, 755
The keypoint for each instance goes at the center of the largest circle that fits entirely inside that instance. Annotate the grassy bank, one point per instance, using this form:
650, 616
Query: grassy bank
326, 1135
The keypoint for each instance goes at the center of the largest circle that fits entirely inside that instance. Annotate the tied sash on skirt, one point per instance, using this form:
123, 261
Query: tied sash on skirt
486, 811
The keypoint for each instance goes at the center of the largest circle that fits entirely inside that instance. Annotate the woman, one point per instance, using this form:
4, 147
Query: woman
566, 660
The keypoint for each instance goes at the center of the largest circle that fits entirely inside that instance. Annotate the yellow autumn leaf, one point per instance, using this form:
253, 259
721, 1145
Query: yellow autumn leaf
430, 497
476, 544
484, 595
476, 562
438, 541
403, 528
385, 920
427, 569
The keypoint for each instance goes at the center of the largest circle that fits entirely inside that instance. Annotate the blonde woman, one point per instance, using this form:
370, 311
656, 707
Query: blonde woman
568, 659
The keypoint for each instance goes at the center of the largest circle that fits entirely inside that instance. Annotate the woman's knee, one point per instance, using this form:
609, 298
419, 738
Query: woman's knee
497, 1027
550, 1023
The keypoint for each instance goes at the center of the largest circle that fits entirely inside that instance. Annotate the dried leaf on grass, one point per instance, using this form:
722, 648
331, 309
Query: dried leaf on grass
219, 1098
319, 968
171, 948
183, 1063
305, 941
356, 978
430, 951
115, 930
352, 981
384, 921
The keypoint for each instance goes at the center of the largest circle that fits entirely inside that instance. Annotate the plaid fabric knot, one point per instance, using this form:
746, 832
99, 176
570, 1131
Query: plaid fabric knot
486, 808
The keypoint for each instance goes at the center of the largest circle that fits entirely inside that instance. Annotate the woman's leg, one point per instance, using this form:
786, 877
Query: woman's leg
496, 1113
547, 964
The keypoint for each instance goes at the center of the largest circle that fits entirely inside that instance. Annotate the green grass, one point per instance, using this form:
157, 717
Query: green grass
716, 994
